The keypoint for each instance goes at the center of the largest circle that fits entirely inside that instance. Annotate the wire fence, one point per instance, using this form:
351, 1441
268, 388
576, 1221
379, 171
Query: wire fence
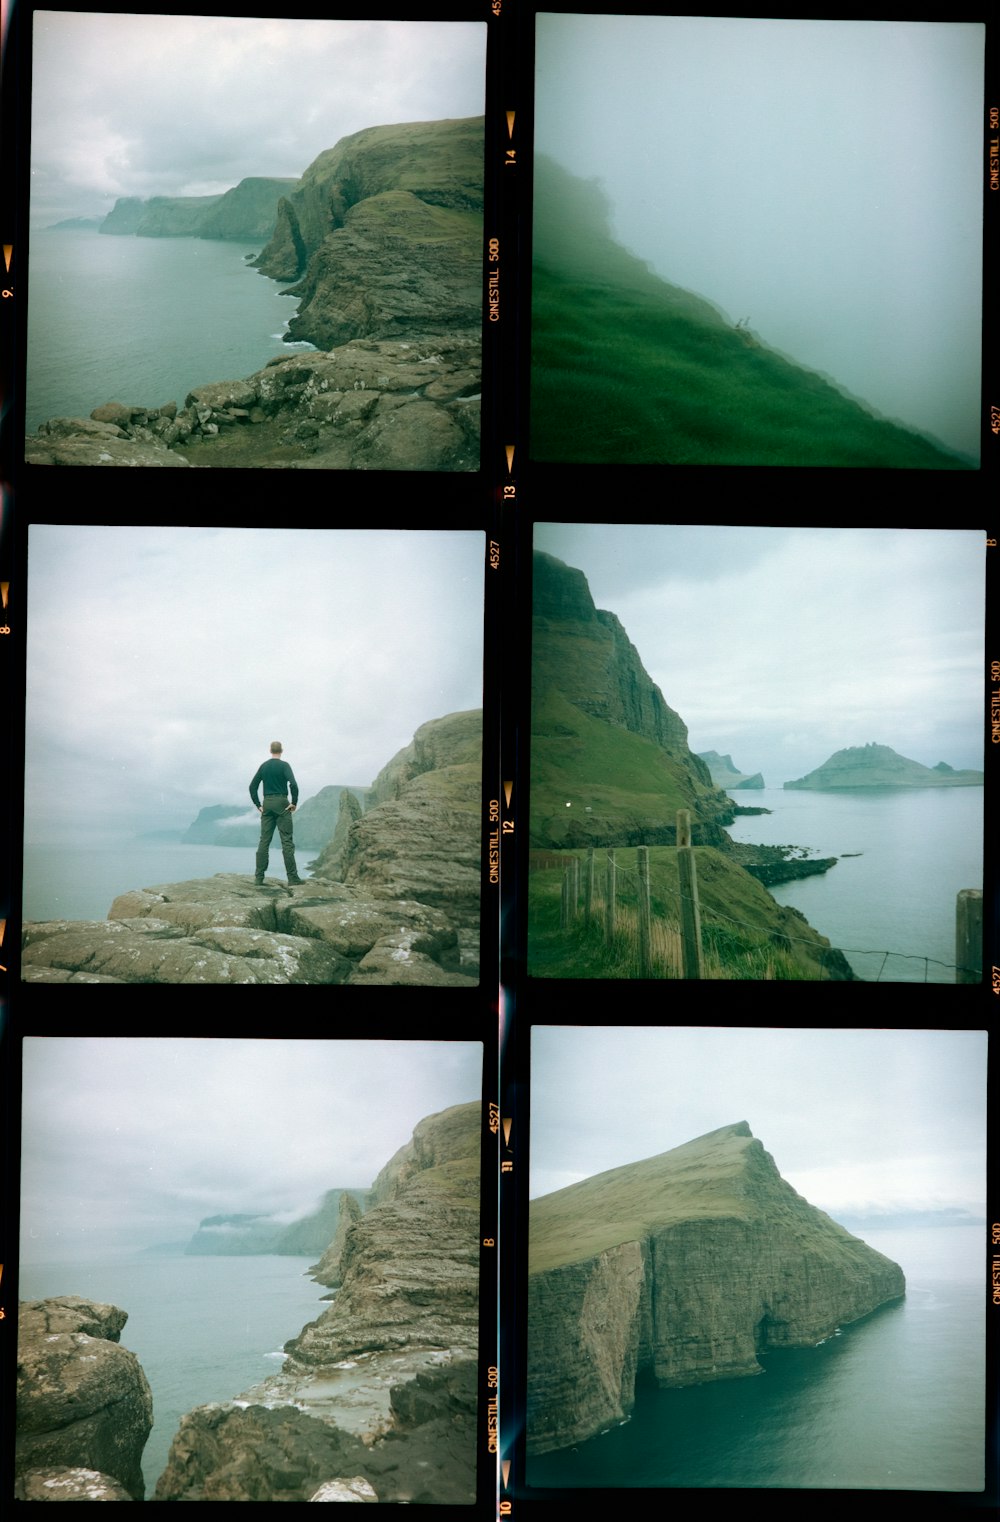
683, 939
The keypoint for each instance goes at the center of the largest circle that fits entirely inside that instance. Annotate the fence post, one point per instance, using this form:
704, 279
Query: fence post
690, 916
969, 936
588, 891
564, 901
609, 901
645, 927
575, 887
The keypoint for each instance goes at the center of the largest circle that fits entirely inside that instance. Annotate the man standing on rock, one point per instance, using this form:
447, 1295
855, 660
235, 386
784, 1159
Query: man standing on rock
277, 777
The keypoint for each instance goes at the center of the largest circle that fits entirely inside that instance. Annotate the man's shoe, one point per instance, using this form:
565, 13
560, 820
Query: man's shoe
296, 882
258, 879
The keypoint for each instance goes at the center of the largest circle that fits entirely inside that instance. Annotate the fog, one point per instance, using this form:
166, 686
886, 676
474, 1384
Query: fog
129, 1142
821, 178
133, 105
162, 662
783, 645
858, 1121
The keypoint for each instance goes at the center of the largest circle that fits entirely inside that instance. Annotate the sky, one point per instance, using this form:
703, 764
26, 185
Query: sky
780, 646
856, 1120
134, 105
130, 1142
822, 178
162, 662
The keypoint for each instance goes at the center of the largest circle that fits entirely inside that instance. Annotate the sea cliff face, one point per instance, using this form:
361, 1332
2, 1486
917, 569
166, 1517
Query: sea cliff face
379, 1394
688, 1266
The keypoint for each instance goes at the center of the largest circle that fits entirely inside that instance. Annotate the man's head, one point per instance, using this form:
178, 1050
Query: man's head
275, 747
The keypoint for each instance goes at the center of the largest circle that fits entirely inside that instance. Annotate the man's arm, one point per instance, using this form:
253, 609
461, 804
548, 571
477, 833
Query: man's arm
294, 787
254, 785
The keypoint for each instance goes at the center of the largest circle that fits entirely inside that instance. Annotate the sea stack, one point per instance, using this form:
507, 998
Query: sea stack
687, 1265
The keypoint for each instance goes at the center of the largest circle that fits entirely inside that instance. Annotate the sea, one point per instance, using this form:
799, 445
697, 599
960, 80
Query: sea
203, 1328
893, 1402
143, 320
81, 882
904, 856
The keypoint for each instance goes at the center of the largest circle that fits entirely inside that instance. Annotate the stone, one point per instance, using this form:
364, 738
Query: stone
83, 1400
631, 1271
62, 1483
356, 1489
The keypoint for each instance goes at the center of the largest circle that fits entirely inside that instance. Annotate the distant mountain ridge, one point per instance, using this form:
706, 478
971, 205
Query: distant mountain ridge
247, 212
725, 774
880, 766
240, 1236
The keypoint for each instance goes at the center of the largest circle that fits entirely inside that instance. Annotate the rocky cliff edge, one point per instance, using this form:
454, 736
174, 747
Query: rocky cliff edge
688, 1265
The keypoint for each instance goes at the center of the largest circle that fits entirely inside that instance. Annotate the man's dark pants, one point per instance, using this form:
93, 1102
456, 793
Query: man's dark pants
275, 812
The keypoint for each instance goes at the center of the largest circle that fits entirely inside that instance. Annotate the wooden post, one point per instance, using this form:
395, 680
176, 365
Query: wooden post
969, 936
564, 901
690, 916
609, 900
645, 925
588, 890
575, 889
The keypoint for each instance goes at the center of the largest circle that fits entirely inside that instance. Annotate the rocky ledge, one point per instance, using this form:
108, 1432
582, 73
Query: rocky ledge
374, 404
688, 1266
226, 929
84, 1408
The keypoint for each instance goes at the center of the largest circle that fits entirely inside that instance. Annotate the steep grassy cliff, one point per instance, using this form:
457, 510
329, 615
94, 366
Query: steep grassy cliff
629, 369
688, 1265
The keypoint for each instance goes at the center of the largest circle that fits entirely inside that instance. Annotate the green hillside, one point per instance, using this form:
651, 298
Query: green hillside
629, 369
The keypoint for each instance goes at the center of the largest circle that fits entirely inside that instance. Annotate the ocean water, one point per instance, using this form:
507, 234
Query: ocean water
143, 320
918, 848
893, 1402
203, 1328
81, 883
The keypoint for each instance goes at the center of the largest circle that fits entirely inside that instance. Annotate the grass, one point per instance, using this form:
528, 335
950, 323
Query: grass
745, 933
629, 369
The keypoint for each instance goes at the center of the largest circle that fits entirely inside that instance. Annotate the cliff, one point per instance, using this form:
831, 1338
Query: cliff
240, 1235
124, 216
246, 213
225, 824
688, 1266
174, 216
725, 774
377, 1399
84, 1408
384, 233
604, 739
880, 766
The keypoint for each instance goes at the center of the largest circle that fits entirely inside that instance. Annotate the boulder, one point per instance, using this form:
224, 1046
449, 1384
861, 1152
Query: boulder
83, 1401
59, 1482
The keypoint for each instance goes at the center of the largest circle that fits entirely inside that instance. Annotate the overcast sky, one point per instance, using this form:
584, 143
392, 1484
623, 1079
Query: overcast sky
823, 178
132, 105
856, 1120
781, 646
130, 1142
162, 662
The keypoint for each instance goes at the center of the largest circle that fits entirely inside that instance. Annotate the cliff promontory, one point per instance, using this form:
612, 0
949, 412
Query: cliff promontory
380, 1392
880, 766
725, 774
688, 1266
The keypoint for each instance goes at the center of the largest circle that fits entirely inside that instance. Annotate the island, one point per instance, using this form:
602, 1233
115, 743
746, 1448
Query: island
880, 766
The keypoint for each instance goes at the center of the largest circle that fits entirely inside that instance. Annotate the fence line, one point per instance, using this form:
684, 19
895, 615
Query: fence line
679, 946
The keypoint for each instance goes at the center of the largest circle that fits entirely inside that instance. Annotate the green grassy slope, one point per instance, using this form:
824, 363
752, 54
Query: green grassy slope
627, 368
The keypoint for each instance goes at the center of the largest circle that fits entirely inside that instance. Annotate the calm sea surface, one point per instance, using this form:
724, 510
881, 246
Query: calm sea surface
918, 848
143, 320
204, 1329
894, 1402
77, 883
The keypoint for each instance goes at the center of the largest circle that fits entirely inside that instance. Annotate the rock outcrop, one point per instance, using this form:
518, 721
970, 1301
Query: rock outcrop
246, 213
124, 217
633, 1271
880, 766
83, 1401
382, 1388
401, 404
329, 1269
725, 774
